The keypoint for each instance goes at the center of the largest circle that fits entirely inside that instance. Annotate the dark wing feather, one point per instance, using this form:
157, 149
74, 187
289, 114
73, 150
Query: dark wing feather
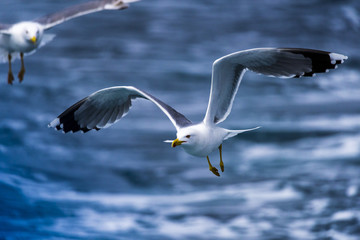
68, 122
105, 107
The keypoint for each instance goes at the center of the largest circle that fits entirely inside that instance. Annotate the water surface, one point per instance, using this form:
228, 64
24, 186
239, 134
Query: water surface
297, 177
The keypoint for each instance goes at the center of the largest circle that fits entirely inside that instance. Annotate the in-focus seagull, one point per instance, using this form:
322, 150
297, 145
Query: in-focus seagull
106, 106
26, 36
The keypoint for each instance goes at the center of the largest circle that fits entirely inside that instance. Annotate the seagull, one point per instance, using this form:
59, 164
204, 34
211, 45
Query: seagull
26, 36
106, 106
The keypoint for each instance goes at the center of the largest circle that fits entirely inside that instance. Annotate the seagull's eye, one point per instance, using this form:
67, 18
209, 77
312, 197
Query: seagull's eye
26, 31
188, 136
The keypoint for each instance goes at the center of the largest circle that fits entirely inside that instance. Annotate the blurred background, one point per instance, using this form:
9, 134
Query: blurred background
297, 177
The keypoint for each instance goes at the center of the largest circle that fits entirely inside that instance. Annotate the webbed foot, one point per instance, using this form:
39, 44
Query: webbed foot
215, 171
21, 74
10, 77
212, 169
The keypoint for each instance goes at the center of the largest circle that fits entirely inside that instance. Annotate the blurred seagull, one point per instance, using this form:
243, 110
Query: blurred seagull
27, 36
105, 107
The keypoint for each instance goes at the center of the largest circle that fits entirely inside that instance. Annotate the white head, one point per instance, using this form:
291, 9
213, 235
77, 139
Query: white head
187, 136
31, 32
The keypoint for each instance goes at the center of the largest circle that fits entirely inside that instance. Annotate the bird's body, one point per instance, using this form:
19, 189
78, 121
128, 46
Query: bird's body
26, 37
107, 106
204, 139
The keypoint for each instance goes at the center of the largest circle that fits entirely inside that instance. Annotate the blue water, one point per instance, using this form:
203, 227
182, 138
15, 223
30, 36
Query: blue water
297, 177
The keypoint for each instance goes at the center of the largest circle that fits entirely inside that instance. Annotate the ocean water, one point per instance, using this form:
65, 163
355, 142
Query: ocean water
297, 177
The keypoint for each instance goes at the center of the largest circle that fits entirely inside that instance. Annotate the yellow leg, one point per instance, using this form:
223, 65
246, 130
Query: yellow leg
212, 169
22, 70
221, 161
10, 74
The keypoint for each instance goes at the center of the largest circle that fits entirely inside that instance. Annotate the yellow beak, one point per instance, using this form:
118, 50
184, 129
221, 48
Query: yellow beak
176, 142
33, 39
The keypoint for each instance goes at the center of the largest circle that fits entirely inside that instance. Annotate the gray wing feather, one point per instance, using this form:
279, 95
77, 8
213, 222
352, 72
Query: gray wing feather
105, 107
276, 62
53, 19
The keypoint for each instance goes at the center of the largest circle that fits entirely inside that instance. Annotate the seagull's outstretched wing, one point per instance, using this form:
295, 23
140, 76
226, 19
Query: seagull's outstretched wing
227, 72
106, 106
51, 20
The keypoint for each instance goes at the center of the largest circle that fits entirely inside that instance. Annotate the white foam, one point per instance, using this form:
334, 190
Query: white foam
18, 125
106, 222
317, 206
252, 228
352, 190
341, 236
344, 215
352, 15
199, 225
302, 229
314, 148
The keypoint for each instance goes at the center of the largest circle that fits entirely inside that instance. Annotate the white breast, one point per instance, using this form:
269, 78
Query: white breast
205, 139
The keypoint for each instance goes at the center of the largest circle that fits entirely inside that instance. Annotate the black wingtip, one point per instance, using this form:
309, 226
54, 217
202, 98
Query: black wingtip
321, 61
66, 121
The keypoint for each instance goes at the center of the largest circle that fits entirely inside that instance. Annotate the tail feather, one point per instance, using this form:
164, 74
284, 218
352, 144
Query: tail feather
233, 133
